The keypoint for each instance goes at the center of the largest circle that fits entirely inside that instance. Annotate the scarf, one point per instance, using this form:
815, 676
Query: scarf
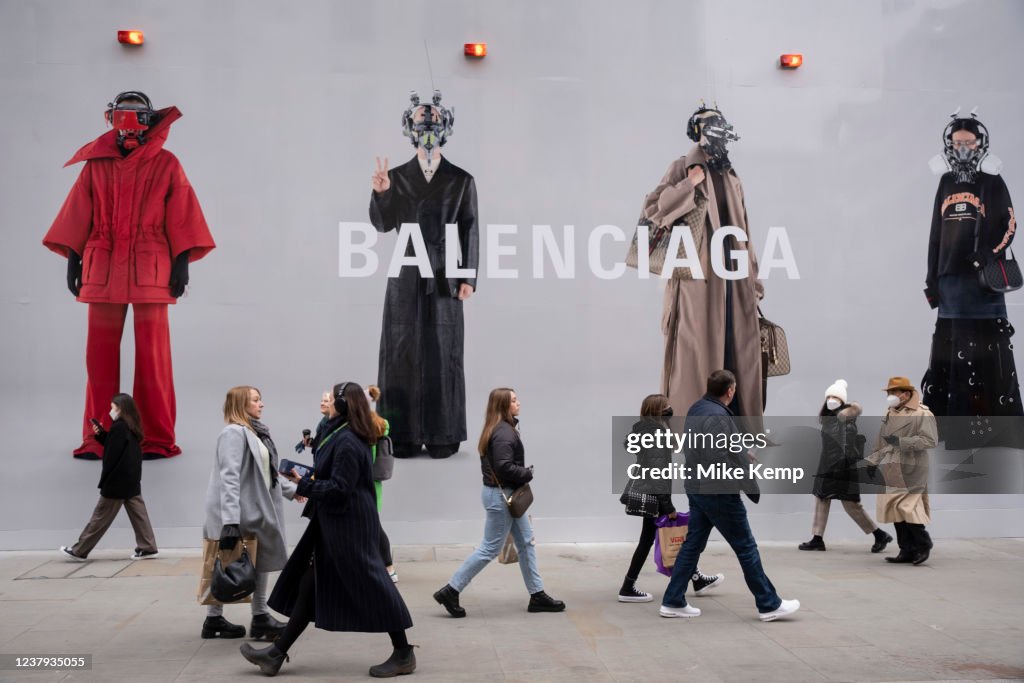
264, 434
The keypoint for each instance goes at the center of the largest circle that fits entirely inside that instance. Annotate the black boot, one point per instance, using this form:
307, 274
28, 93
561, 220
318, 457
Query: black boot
922, 543
406, 450
402, 661
449, 597
265, 626
542, 602
442, 451
219, 627
269, 659
882, 539
816, 543
905, 542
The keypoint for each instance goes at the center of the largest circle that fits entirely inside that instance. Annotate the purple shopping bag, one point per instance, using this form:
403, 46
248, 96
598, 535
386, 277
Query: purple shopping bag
668, 541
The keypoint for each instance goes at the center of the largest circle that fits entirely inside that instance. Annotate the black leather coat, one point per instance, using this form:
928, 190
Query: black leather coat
420, 372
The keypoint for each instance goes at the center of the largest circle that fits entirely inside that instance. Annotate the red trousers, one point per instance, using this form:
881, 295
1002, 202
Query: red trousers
154, 379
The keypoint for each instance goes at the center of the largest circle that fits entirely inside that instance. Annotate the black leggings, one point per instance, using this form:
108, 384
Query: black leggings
643, 548
305, 610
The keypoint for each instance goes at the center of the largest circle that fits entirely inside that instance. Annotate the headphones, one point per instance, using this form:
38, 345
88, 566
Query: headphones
145, 116
340, 404
693, 125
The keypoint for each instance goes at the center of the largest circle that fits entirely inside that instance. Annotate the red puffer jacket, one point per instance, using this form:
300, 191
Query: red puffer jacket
129, 217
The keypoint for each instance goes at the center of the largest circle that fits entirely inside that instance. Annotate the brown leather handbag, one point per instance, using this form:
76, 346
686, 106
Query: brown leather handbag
774, 347
659, 237
520, 500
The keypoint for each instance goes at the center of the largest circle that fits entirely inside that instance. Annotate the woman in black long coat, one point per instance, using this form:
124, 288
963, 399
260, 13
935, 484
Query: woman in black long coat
842, 446
335, 577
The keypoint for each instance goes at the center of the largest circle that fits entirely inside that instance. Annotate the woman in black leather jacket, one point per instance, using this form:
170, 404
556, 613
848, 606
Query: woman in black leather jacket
504, 470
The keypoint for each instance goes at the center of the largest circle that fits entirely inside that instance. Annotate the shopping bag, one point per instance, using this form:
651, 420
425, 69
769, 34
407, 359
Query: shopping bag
508, 554
668, 541
211, 550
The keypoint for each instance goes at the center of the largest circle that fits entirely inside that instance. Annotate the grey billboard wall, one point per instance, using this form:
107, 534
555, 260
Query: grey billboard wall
571, 119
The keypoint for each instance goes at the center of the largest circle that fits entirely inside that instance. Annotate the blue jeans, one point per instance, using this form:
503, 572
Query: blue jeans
726, 513
497, 526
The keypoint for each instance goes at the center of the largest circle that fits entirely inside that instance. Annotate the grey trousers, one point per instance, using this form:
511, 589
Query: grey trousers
855, 510
103, 516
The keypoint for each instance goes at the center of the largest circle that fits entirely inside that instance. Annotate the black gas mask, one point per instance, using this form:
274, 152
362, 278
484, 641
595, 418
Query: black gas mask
965, 158
708, 128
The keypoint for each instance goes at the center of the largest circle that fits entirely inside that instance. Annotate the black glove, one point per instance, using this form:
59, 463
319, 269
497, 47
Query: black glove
74, 272
931, 292
179, 275
872, 471
892, 440
229, 535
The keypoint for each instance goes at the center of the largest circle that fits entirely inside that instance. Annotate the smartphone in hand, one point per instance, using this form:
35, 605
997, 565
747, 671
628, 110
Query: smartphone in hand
287, 465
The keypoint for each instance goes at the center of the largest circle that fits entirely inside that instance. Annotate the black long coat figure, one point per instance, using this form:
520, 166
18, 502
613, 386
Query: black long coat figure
353, 589
420, 372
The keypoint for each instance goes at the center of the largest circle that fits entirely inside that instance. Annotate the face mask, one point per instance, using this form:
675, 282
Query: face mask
668, 412
114, 414
833, 403
892, 400
716, 134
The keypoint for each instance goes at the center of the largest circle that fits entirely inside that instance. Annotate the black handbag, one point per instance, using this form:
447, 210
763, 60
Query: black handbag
234, 582
638, 503
1000, 275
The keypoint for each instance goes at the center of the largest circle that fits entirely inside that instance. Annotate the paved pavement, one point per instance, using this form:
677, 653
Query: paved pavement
960, 617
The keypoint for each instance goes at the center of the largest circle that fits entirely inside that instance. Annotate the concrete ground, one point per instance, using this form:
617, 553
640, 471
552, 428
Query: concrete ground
959, 617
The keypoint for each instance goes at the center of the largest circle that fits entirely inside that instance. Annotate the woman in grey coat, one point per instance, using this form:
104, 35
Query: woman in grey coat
245, 498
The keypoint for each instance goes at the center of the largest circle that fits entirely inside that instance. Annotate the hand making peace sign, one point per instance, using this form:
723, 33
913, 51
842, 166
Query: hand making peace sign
380, 179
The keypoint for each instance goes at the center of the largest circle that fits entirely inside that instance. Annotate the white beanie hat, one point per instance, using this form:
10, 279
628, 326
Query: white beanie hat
838, 389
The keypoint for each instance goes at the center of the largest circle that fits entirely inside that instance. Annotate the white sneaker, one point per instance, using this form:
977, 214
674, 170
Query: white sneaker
70, 555
784, 610
686, 611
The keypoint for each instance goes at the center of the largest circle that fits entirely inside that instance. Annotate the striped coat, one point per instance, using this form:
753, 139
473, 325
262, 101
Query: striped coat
353, 589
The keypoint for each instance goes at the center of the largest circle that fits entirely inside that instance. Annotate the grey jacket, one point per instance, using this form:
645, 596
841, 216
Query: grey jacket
238, 495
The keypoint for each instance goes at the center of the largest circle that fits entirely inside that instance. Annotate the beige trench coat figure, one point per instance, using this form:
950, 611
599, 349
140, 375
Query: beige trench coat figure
693, 316
901, 455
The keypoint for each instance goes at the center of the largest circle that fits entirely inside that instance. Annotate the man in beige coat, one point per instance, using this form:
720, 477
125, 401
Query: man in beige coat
901, 453
709, 323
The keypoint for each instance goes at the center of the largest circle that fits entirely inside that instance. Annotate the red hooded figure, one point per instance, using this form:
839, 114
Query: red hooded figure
129, 227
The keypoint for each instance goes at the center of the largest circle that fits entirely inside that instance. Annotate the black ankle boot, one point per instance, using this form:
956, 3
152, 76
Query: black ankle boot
449, 598
219, 627
402, 661
816, 543
542, 602
265, 626
882, 539
269, 659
